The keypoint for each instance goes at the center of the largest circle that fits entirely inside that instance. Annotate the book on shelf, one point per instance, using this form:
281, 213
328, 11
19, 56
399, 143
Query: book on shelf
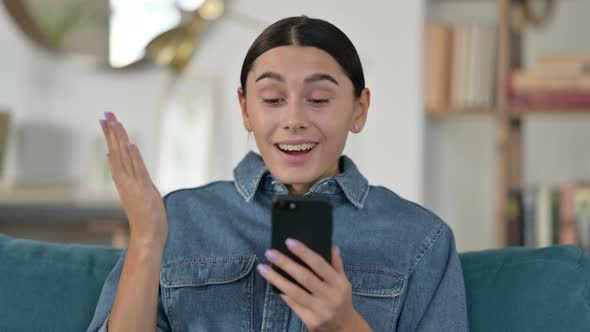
560, 65
5, 127
553, 81
437, 54
514, 215
529, 217
552, 100
555, 208
531, 83
565, 58
543, 223
582, 204
543, 215
459, 66
567, 215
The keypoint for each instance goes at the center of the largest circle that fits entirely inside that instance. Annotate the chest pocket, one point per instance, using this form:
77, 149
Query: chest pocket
376, 293
209, 294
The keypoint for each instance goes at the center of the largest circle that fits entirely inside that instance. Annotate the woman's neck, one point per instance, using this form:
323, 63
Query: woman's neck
300, 189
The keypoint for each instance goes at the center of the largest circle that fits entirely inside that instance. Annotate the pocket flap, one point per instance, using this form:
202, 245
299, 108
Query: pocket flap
374, 280
204, 271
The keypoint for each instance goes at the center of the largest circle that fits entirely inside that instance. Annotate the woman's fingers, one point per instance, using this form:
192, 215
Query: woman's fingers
138, 164
122, 154
301, 311
337, 260
300, 273
123, 142
113, 145
290, 289
315, 262
105, 130
118, 144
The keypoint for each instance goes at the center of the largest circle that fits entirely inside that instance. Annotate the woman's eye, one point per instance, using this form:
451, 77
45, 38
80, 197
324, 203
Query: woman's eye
272, 101
319, 101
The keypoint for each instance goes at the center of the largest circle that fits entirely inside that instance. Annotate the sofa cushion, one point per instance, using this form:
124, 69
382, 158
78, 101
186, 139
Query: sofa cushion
524, 289
55, 287
50, 287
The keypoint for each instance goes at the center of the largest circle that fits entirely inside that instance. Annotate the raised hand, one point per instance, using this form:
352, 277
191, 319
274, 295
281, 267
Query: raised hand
139, 196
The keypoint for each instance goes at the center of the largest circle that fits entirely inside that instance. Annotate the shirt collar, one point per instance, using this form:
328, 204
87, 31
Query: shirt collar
250, 171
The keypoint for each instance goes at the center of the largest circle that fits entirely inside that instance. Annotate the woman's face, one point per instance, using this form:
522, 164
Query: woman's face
300, 106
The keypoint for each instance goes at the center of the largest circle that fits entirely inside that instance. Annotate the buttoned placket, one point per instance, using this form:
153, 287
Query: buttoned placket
277, 316
275, 313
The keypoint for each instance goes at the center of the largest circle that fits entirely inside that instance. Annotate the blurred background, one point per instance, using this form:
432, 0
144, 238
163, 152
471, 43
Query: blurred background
480, 109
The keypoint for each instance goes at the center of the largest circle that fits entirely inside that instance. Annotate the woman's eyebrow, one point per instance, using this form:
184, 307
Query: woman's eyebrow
310, 79
320, 77
271, 75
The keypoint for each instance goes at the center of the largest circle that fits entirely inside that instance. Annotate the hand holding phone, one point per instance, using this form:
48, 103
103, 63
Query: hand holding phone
307, 219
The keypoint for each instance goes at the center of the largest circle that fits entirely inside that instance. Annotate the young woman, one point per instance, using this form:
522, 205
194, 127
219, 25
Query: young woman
199, 260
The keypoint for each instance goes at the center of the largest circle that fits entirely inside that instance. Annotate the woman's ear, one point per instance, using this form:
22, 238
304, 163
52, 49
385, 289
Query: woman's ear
361, 109
244, 108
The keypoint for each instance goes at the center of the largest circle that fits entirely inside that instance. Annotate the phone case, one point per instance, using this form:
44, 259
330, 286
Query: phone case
307, 219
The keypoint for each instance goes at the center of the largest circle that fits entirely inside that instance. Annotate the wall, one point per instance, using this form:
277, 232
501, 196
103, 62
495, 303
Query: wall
74, 96
389, 150
69, 96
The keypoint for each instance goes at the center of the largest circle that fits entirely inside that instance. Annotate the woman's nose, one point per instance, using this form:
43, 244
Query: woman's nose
294, 117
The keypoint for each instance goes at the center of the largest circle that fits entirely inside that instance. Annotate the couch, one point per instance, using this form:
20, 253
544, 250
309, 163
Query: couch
55, 287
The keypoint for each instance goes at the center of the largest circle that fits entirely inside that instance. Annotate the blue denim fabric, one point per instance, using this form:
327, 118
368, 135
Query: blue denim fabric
400, 258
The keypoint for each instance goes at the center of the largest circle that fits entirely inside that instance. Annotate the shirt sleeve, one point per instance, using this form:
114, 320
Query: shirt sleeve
435, 294
107, 298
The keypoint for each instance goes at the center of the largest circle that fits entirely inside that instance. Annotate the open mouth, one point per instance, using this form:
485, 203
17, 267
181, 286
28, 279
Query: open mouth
296, 149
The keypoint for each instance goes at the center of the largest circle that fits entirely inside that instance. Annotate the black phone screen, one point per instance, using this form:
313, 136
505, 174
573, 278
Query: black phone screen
307, 219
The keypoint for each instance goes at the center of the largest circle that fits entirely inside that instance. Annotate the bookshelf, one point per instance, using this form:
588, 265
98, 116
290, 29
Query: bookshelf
517, 112
60, 212
507, 120
450, 112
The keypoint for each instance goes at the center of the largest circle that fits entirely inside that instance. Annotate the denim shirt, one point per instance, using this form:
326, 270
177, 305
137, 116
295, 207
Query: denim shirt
399, 258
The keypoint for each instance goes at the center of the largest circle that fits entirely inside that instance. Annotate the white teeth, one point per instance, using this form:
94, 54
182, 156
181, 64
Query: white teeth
298, 147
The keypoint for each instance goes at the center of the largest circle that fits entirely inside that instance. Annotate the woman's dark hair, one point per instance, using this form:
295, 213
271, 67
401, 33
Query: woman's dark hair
305, 31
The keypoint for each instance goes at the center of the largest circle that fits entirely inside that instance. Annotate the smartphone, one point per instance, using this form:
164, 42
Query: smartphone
307, 219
